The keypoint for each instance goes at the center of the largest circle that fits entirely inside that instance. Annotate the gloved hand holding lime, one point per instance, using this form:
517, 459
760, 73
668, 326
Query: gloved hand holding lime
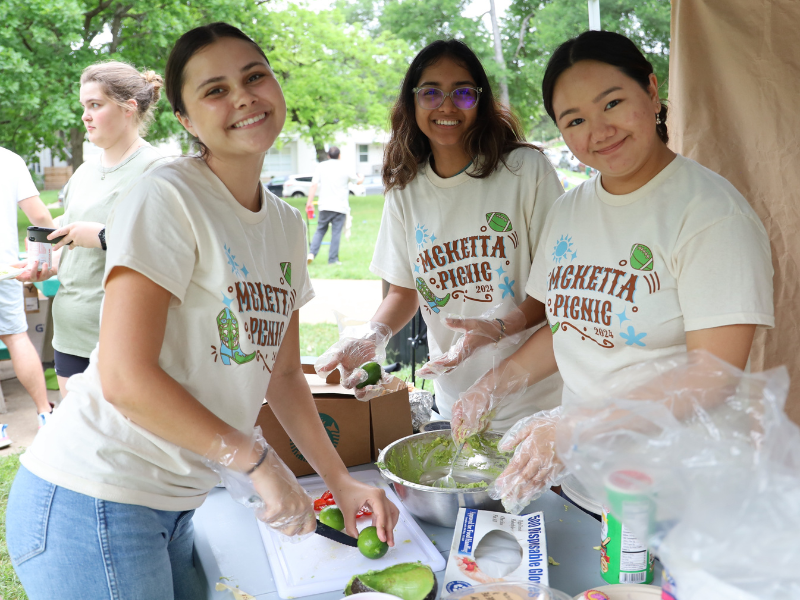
373, 370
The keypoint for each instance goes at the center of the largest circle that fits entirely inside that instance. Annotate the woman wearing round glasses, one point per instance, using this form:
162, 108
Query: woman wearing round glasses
466, 199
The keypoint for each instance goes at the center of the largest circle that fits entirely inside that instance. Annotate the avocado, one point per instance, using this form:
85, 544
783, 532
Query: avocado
409, 581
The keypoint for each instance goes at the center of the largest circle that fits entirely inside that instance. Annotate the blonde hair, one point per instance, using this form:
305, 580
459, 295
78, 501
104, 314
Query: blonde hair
121, 82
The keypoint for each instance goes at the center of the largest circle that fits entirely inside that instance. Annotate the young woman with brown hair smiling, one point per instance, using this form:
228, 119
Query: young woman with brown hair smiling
654, 257
102, 506
466, 199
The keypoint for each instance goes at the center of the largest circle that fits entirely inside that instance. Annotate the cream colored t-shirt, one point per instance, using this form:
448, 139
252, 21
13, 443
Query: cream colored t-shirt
624, 277
235, 276
90, 195
467, 245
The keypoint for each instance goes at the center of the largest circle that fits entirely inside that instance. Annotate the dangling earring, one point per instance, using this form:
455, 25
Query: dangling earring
658, 119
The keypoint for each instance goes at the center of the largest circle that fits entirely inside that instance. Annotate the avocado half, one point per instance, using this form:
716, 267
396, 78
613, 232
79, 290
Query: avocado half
409, 581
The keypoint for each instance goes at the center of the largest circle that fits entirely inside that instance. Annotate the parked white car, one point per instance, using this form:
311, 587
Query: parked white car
300, 185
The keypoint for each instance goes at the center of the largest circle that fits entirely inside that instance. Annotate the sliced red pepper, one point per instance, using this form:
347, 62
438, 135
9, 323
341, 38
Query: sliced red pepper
325, 500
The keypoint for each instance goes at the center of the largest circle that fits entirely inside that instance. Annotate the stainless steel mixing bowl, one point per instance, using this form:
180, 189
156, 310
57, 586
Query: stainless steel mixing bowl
436, 505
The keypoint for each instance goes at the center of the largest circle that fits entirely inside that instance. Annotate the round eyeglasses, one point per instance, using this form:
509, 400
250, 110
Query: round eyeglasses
464, 98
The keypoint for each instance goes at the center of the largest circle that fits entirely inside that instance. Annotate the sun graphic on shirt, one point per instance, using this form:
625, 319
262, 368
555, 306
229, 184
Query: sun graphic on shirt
563, 248
421, 235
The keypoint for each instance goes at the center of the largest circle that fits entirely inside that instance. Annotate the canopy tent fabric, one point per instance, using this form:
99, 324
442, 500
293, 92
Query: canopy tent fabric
734, 91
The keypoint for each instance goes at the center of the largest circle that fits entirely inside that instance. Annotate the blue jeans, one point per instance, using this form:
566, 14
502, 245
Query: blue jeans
336, 221
70, 546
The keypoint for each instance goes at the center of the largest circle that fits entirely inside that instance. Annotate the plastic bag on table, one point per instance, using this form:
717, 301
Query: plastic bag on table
699, 459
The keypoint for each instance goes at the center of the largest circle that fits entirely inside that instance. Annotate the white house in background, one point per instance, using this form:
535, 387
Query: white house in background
361, 150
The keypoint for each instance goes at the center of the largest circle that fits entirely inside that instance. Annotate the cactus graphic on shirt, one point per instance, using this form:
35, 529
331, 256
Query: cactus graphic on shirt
429, 296
228, 326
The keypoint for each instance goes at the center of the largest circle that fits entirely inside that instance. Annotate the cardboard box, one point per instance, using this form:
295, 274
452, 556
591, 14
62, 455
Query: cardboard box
358, 430
31, 295
496, 547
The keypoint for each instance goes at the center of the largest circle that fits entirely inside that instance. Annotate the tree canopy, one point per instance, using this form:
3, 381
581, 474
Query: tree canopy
333, 79
339, 68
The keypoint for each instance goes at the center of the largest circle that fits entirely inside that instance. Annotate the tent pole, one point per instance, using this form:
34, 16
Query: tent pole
594, 15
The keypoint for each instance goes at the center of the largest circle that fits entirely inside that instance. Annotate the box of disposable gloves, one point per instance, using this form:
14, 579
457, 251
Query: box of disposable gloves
491, 547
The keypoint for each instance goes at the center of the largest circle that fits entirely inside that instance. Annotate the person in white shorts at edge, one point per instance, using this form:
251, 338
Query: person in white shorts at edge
334, 202
466, 200
18, 190
655, 256
118, 103
205, 274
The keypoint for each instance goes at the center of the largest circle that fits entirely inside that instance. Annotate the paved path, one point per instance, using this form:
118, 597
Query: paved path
356, 299
21, 416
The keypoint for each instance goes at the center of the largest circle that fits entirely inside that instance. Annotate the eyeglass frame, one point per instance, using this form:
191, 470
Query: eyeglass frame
447, 95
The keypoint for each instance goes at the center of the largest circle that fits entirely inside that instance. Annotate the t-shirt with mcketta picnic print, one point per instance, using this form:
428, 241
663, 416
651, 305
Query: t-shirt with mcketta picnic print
624, 277
466, 245
235, 277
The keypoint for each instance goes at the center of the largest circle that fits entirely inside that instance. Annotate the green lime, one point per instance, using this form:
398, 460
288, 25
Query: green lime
369, 544
332, 517
373, 370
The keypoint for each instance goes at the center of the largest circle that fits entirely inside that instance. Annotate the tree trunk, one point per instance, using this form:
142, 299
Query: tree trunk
319, 146
498, 55
76, 136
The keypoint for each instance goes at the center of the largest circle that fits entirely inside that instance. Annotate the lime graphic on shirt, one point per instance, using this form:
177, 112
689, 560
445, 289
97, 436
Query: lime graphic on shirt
641, 257
499, 222
429, 296
228, 326
331, 427
286, 269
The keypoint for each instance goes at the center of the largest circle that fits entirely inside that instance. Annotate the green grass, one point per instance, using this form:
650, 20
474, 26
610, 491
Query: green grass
315, 338
573, 174
10, 587
23, 223
355, 253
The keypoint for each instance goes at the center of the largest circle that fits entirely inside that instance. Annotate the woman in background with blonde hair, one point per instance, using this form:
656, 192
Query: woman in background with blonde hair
118, 104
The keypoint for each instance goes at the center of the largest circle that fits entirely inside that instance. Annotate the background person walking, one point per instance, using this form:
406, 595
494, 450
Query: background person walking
334, 205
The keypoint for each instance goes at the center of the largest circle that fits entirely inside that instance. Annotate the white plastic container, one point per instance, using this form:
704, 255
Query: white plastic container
626, 591
507, 591
41, 252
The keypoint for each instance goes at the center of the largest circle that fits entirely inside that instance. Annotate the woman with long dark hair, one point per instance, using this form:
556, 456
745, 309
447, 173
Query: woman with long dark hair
654, 257
466, 199
204, 274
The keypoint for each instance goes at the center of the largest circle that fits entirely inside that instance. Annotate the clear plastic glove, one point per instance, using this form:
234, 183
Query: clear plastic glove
474, 410
271, 490
487, 332
534, 467
357, 345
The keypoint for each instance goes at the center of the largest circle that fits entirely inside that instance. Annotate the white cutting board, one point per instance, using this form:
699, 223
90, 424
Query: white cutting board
318, 565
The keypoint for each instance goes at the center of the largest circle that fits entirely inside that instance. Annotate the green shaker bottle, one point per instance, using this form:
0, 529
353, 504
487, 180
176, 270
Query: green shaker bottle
623, 558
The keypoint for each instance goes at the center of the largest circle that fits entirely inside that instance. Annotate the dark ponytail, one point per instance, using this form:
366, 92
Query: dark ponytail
606, 47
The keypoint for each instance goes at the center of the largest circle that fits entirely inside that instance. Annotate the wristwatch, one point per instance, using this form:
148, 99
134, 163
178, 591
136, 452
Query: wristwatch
102, 236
